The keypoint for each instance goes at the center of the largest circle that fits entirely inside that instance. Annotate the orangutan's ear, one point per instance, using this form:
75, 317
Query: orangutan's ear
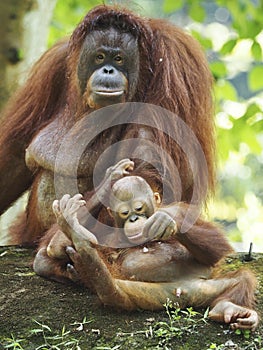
157, 198
110, 212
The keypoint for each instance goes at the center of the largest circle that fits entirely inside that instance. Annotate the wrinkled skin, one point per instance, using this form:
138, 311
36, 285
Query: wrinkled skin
108, 67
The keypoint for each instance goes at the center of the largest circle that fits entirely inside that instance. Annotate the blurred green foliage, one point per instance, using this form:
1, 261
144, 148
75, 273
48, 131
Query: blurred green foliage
67, 14
231, 33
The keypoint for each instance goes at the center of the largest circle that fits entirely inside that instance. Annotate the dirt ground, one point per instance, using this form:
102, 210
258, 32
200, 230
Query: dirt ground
39, 314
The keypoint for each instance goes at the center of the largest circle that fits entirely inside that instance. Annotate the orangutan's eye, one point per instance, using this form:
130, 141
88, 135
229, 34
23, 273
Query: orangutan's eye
100, 58
118, 59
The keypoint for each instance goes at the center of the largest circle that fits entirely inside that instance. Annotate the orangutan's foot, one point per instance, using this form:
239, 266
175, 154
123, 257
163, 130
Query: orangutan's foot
238, 317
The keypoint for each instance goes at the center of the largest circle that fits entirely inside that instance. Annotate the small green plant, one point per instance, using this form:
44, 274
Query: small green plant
108, 348
216, 347
246, 333
180, 322
13, 343
64, 340
58, 341
252, 342
248, 342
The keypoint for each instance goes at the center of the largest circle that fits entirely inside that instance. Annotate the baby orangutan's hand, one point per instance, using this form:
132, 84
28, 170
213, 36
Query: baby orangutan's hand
159, 226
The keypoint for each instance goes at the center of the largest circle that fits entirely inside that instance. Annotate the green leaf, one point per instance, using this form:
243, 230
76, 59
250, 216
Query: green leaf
252, 109
255, 78
205, 42
243, 132
218, 69
228, 46
206, 313
256, 51
197, 12
253, 28
171, 6
67, 14
247, 333
258, 126
21, 54
224, 90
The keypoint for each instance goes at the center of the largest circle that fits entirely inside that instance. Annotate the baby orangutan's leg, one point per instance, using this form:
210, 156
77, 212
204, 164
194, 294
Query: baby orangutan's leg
89, 265
60, 270
51, 260
131, 295
56, 247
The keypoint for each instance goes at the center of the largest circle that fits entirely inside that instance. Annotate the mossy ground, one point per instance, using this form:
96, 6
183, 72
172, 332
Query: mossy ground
30, 303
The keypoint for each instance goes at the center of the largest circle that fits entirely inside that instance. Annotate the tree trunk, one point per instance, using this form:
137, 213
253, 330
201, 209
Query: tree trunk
23, 32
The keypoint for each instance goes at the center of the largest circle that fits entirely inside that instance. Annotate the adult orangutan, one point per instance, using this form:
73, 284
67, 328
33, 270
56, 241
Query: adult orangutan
155, 265
113, 56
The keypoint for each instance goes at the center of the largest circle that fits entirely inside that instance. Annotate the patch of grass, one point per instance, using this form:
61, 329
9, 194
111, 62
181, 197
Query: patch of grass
180, 323
255, 343
48, 339
180, 330
12, 343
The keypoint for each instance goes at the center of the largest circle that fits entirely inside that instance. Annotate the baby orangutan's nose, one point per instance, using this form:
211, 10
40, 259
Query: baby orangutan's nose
133, 218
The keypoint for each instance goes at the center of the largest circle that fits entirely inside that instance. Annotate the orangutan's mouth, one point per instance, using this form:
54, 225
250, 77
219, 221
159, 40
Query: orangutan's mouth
109, 93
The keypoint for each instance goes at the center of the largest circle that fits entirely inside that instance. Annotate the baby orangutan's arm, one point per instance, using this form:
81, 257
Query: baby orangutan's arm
204, 240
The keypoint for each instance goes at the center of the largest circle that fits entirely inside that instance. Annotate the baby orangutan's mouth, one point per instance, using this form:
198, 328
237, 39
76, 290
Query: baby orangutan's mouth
133, 229
137, 238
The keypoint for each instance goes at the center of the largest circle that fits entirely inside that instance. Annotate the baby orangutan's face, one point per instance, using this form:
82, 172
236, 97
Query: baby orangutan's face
132, 203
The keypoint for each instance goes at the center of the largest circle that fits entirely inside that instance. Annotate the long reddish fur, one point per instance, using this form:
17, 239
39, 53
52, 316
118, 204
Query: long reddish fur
173, 74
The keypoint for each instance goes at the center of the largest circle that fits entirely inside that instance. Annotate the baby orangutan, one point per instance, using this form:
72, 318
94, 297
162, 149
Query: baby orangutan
132, 204
164, 263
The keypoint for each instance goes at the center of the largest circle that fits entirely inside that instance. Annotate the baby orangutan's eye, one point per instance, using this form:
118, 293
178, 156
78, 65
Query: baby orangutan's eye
138, 207
124, 214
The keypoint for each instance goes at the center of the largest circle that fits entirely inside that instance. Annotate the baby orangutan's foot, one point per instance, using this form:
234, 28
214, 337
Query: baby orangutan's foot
238, 316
